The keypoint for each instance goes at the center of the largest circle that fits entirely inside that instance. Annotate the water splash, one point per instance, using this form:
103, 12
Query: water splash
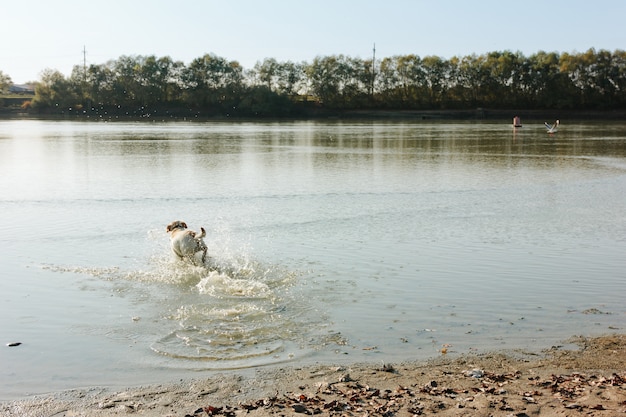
225, 333
218, 284
233, 312
238, 316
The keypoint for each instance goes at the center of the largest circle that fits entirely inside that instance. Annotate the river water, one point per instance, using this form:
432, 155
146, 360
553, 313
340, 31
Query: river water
331, 242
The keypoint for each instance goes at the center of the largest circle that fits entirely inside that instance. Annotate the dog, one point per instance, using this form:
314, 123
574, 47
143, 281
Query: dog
186, 243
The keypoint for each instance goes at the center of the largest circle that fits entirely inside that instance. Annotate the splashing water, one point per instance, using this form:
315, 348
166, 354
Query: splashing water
232, 313
221, 285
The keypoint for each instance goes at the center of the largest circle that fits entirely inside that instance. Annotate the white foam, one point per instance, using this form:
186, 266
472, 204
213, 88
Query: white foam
218, 284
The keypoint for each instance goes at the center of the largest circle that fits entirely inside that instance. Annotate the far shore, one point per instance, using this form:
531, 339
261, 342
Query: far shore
505, 115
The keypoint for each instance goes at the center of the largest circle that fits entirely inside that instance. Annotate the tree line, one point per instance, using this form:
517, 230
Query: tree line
211, 85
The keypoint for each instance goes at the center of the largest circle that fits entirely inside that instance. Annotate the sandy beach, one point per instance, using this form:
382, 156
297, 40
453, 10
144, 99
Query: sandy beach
583, 377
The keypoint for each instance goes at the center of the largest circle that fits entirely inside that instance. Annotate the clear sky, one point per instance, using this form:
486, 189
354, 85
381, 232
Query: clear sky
40, 34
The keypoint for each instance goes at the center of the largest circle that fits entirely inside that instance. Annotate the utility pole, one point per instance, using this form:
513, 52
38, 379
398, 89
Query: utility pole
373, 56
85, 77
373, 67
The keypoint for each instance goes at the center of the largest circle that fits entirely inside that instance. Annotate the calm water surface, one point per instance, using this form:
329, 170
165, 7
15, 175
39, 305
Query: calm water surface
330, 242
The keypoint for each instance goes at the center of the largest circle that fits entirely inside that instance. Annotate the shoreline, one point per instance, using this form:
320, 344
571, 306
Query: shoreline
587, 379
478, 114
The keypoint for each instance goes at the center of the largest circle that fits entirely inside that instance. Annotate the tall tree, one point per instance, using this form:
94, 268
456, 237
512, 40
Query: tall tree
437, 77
213, 81
5, 82
55, 92
589, 80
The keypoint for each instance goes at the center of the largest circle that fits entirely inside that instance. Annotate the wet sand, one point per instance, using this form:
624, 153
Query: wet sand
584, 377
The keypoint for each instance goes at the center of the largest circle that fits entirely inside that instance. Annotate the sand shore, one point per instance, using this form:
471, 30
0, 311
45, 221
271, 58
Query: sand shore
588, 380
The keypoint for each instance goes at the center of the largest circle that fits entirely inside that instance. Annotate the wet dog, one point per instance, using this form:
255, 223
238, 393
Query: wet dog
186, 243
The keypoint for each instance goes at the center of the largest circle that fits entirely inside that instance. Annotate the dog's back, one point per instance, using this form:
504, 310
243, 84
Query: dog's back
186, 243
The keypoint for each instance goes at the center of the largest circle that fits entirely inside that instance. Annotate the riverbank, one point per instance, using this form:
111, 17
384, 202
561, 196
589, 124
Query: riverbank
584, 376
505, 115
485, 114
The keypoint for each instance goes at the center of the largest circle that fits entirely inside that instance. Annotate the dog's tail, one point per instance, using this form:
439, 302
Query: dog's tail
203, 234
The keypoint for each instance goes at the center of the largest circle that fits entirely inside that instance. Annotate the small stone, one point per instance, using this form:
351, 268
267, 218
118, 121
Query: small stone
475, 373
106, 404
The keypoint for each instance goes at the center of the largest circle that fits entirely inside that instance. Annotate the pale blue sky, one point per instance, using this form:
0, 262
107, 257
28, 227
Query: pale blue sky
40, 34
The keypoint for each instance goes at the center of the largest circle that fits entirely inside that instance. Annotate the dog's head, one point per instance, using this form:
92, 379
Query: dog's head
176, 225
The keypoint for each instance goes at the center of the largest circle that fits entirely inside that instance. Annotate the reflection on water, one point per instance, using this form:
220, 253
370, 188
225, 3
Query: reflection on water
328, 242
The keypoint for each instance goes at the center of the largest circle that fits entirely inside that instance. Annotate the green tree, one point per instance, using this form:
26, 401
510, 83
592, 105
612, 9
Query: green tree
292, 79
100, 85
402, 82
126, 87
501, 69
387, 82
159, 80
540, 79
437, 79
470, 82
212, 81
5, 82
598, 77
619, 65
56, 93
132, 84
339, 81
323, 74
268, 73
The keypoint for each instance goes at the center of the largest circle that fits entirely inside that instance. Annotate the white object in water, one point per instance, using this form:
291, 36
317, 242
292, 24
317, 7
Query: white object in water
552, 128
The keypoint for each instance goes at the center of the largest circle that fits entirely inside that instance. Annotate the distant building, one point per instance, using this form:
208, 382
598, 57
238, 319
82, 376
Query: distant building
22, 89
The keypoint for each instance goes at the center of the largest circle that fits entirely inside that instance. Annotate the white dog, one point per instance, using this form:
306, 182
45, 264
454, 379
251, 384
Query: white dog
186, 243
